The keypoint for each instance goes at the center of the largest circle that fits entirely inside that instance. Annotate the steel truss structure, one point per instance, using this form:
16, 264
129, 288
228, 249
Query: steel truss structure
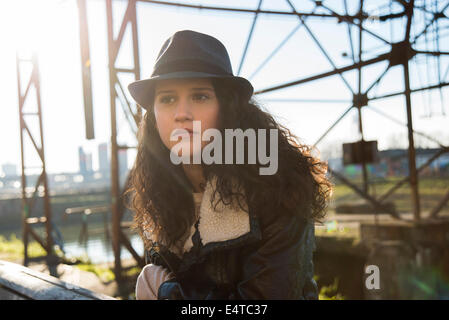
398, 54
41, 189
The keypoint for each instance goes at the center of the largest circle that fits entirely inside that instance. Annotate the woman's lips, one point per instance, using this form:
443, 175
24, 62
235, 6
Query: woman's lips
182, 131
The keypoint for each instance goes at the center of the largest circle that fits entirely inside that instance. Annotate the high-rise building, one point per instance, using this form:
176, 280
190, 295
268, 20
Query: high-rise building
123, 161
123, 166
89, 162
103, 159
85, 161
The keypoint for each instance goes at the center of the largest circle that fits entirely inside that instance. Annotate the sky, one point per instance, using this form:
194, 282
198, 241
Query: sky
50, 28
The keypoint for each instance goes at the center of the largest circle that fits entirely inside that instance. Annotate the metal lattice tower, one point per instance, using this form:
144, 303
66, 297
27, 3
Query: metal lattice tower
416, 40
41, 188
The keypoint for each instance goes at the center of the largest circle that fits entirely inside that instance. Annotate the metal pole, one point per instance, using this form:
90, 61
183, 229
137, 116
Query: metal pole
47, 207
411, 146
382, 57
136, 55
25, 210
359, 104
27, 206
114, 150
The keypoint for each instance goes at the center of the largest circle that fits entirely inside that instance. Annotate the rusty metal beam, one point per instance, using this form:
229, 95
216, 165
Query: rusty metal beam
422, 134
115, 205
436, 16
140, 260
436, 86
408, 102
27, 209
354, 66
439, 206
332, 126
406, 179
358, 16
359, 104
249, 39
114, 45
323, 51
86, 70
377, 204
272, 54
242, 10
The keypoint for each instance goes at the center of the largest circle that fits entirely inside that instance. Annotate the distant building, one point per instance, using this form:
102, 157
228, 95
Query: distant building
9, 169
103, 159
123, 161
394, 163
89, 162
85, 161
123, 166
81, 160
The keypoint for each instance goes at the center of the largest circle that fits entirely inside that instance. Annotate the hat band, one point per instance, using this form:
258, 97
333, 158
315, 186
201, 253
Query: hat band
189, 65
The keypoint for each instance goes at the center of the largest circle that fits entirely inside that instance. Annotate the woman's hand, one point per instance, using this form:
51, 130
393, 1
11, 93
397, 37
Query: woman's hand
149, 280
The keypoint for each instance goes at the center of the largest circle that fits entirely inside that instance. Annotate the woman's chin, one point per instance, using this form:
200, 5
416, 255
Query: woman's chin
190, 158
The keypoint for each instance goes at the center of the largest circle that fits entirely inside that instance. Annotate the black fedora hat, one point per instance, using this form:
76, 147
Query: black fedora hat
189, 54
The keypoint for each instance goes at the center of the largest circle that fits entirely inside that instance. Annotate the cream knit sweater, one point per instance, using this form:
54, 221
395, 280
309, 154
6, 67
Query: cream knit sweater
151, 276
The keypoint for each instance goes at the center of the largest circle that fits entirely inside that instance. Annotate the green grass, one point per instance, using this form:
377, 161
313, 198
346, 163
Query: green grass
104, 274
431, 190
134, 271
13, 249
330, 292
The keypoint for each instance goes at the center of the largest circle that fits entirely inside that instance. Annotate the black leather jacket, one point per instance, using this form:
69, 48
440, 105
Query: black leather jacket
271, 261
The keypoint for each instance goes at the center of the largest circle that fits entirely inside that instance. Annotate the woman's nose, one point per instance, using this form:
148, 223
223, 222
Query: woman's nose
183, 110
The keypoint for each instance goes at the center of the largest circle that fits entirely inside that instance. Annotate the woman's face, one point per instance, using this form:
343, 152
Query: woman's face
179, 102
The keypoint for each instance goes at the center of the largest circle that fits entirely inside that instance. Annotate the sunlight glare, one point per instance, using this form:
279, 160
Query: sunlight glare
36, 24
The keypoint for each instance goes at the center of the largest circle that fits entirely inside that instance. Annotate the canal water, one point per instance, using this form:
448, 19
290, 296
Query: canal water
98, 247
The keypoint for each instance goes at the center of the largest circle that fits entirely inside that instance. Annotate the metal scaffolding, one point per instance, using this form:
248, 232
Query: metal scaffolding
41, 188
399, 54
395, 53
116, 91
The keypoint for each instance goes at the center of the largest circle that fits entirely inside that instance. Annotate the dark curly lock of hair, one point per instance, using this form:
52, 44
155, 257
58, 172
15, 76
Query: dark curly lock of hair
160, 195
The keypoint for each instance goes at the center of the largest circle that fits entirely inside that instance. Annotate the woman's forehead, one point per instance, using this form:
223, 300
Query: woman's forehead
184, 83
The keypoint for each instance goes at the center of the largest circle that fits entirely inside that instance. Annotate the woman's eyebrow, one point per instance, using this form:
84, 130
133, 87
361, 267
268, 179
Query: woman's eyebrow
205, 88
163, 91
191, 89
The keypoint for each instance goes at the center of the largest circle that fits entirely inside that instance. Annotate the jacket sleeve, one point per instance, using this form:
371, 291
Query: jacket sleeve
281, 267
173, 290
149, 280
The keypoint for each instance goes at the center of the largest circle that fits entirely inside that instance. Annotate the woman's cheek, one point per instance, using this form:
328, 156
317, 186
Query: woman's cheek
163, 128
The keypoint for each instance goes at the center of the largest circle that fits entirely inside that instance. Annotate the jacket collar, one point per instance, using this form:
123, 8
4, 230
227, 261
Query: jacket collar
227, 225
223, 223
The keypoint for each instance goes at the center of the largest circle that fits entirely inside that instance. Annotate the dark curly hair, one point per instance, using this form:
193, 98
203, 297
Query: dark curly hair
160, 195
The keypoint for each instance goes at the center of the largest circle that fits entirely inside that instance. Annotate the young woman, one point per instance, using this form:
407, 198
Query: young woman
219, 230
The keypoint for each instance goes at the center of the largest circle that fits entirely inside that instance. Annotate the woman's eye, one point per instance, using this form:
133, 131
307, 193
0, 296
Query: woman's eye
200, 96
166, 99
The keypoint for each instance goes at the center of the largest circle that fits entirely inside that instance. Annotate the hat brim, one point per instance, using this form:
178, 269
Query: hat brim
142, 91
